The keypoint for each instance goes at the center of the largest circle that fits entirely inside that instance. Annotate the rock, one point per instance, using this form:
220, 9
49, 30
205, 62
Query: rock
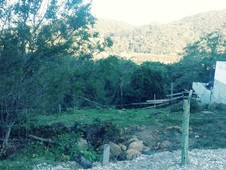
86, 164
115, 150
132, 139
146, 149
131, 154
142, 128
196, 136
82, 144
123, 147
136, 145
165, 144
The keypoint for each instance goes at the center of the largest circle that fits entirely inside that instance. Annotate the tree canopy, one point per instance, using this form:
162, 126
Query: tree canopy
37, 38
198, 63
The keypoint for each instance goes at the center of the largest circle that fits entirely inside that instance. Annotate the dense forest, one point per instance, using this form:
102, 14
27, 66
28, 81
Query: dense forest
47, 65
159, 42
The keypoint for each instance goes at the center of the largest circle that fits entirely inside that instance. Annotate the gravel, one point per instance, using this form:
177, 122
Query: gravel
198, 160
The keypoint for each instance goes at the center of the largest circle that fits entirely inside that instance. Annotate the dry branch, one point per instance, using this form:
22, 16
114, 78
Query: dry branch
41, 139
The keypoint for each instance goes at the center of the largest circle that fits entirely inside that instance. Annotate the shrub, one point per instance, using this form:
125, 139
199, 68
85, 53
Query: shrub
196, 106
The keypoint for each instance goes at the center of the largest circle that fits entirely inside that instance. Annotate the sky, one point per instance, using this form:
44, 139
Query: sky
140, 12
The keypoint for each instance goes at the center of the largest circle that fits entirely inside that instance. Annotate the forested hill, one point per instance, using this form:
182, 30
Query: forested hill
159, 42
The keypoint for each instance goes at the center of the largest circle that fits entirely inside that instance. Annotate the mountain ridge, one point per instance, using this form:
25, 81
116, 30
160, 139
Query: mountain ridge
159, 42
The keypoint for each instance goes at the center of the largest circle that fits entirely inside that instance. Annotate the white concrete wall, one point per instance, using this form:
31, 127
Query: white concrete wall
203, 93
219, 90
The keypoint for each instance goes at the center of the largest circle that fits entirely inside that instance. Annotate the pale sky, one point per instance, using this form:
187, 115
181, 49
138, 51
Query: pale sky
140, 12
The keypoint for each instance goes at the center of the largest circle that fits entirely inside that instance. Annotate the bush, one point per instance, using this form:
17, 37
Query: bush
196, 106
66, 146
36, 149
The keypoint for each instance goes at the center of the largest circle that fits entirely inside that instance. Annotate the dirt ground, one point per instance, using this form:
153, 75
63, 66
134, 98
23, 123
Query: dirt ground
205, 132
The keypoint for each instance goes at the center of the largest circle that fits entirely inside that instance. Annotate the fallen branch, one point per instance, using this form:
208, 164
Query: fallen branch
90, 101
41, 139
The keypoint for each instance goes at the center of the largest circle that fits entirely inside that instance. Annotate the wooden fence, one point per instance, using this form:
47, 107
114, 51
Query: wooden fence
171, 98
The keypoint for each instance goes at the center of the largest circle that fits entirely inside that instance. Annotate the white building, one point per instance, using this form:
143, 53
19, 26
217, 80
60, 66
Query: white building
218, 92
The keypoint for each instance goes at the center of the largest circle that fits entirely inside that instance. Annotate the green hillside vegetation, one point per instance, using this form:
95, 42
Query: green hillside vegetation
143, 43
54, 91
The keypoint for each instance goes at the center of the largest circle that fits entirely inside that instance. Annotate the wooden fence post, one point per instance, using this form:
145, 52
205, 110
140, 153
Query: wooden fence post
106, 155
185, 130
171, 90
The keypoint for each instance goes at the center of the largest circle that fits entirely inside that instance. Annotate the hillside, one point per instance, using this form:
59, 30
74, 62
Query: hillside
159, 42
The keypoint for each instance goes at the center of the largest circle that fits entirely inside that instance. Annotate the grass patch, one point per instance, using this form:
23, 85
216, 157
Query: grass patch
209, 127
23, 164
122, 118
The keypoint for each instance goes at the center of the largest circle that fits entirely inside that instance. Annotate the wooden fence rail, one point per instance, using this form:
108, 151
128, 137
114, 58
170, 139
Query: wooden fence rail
172, 98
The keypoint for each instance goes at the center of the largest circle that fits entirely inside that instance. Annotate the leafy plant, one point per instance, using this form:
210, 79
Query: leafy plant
66, 146
36, 149
90, 154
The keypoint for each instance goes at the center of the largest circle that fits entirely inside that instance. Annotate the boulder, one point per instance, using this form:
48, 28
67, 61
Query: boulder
136, 145
115, 150
123, 147
82, 144
146, 149
131, 154
134, 138
165, 144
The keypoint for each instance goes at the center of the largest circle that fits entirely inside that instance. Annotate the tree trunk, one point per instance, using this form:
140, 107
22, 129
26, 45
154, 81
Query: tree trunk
6, 139
121, 94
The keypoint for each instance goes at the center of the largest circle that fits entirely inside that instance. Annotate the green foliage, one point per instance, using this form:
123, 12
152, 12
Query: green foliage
66, 146
111, 131
37, 149
90, 154
121, 118
46, 66
64, 149
115, 74
159, 42
198, 64
38, 40
148, 80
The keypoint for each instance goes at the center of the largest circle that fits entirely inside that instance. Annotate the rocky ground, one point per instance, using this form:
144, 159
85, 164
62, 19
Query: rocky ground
198, 160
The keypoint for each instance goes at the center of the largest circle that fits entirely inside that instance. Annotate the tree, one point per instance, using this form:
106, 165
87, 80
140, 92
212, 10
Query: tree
198, 63
115, 73
35, 37
148, 80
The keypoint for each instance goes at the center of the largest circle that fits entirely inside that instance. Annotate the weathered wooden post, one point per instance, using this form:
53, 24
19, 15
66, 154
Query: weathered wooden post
171, 90
154, 101
59, 108
185, 130
106, 155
